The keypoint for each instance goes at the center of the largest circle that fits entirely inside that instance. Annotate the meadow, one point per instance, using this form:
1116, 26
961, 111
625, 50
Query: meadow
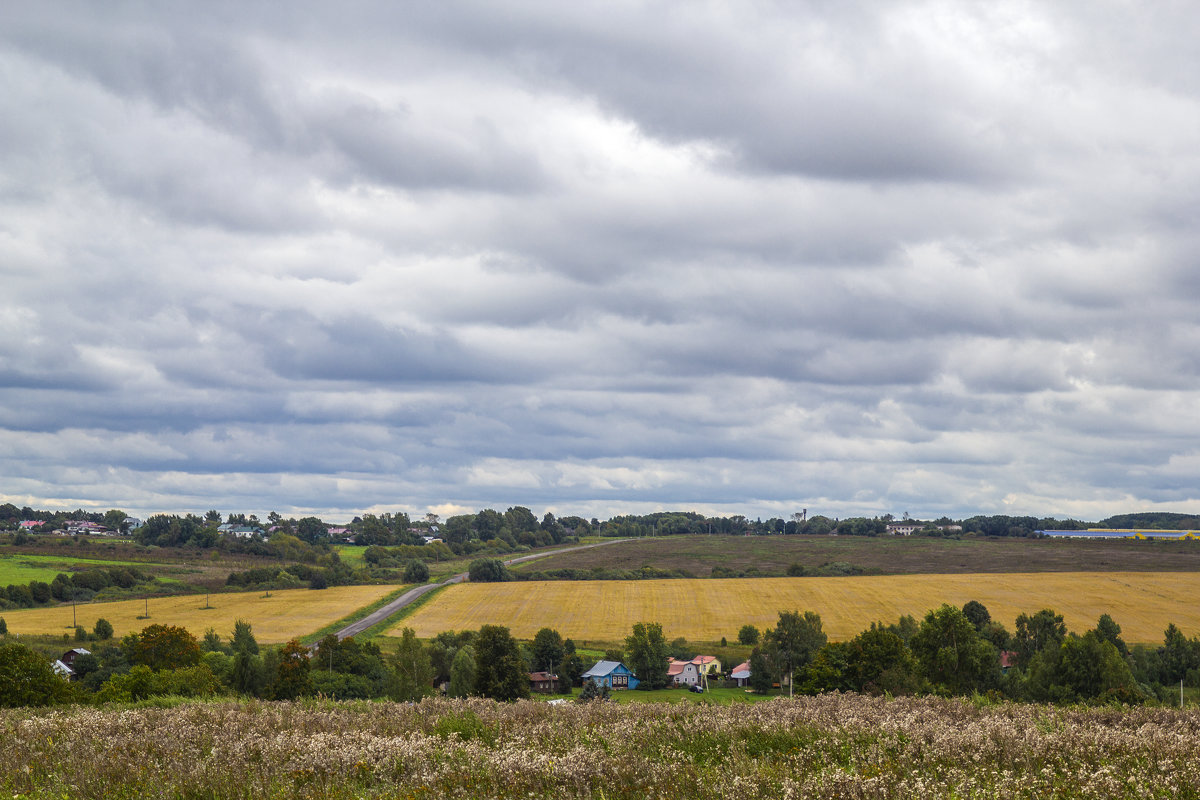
27, 567
705, 610
882, 555
284, 615
830, 746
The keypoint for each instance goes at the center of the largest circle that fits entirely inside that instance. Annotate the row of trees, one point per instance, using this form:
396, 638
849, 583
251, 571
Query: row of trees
519, 526
957, 651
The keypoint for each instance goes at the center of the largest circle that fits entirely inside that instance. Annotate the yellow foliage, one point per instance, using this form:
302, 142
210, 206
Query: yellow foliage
286, 614
1142, 603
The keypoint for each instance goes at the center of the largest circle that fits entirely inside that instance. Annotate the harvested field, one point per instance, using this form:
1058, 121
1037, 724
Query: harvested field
891, 555
704, 610
285, 614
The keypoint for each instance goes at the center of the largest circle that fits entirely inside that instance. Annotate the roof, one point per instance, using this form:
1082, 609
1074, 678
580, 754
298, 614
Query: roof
676, 667
603, 668
702, 660
539, 677
742, 670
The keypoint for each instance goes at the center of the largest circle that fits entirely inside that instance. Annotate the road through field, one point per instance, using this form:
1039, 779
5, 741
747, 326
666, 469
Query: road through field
375, 617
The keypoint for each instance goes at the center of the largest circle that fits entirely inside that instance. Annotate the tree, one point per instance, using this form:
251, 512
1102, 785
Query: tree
116, 520
163, 647
292, 677
103, 629
878, 660
499, 668
3, 627
570, 670
243, 638
488, 570
952, 654
462, 672
648, 654
548, 650
520, 518
1080, 668
27, 679
1110, 631
795, 641
312, 530
1034, 634
1178, 655
414, 672
761, 672
416, 571
246, 674
748, 635
594, 691
978, 614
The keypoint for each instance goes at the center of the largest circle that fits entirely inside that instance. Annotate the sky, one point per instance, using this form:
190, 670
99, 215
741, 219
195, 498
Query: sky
600, 258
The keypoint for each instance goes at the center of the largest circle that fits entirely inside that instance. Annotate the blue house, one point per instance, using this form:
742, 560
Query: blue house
612, 674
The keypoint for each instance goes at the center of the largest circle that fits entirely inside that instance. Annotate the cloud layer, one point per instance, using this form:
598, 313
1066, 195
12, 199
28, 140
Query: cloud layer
744, 258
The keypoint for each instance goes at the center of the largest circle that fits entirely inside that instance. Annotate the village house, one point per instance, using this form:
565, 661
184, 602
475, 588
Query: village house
543, 682
612, 674
741, 674
682, 673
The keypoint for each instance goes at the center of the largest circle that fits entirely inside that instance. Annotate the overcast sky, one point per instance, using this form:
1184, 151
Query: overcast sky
601, 258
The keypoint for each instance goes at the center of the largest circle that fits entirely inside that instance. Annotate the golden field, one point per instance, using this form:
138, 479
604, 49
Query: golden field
1142, 603
284, 615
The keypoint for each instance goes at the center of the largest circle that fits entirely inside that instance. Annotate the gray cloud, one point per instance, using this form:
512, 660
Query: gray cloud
856, 258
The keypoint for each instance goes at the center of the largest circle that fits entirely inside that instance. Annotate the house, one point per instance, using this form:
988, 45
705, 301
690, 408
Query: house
543, 682
708, 665
612, 674
1008, 660
29, 524
683, 673
239, 531
68, 658
741, 674
63, 671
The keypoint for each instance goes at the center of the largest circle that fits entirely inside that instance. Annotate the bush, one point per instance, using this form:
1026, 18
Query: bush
103, 629
417, 571
488, 570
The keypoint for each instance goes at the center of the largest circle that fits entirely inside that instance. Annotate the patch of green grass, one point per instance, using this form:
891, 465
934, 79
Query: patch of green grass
22, 568
351, 555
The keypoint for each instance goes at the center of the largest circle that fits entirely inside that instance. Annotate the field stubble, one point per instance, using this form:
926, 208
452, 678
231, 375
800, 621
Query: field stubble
703, 610
285, 614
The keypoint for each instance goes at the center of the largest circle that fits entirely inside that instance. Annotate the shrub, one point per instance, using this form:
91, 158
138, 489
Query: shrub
488, 570
416, 571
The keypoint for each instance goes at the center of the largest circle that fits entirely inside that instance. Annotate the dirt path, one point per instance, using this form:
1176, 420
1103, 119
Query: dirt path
411, 595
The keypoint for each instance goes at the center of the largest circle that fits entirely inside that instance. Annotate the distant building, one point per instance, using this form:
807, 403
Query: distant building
1121, 533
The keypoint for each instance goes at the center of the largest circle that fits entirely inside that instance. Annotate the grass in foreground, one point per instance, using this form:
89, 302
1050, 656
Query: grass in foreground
833, 746
705, 610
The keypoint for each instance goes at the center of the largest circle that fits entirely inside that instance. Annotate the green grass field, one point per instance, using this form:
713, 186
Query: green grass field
26, 568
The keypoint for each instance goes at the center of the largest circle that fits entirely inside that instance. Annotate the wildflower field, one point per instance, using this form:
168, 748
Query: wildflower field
706, 609
284, 615
831, 746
